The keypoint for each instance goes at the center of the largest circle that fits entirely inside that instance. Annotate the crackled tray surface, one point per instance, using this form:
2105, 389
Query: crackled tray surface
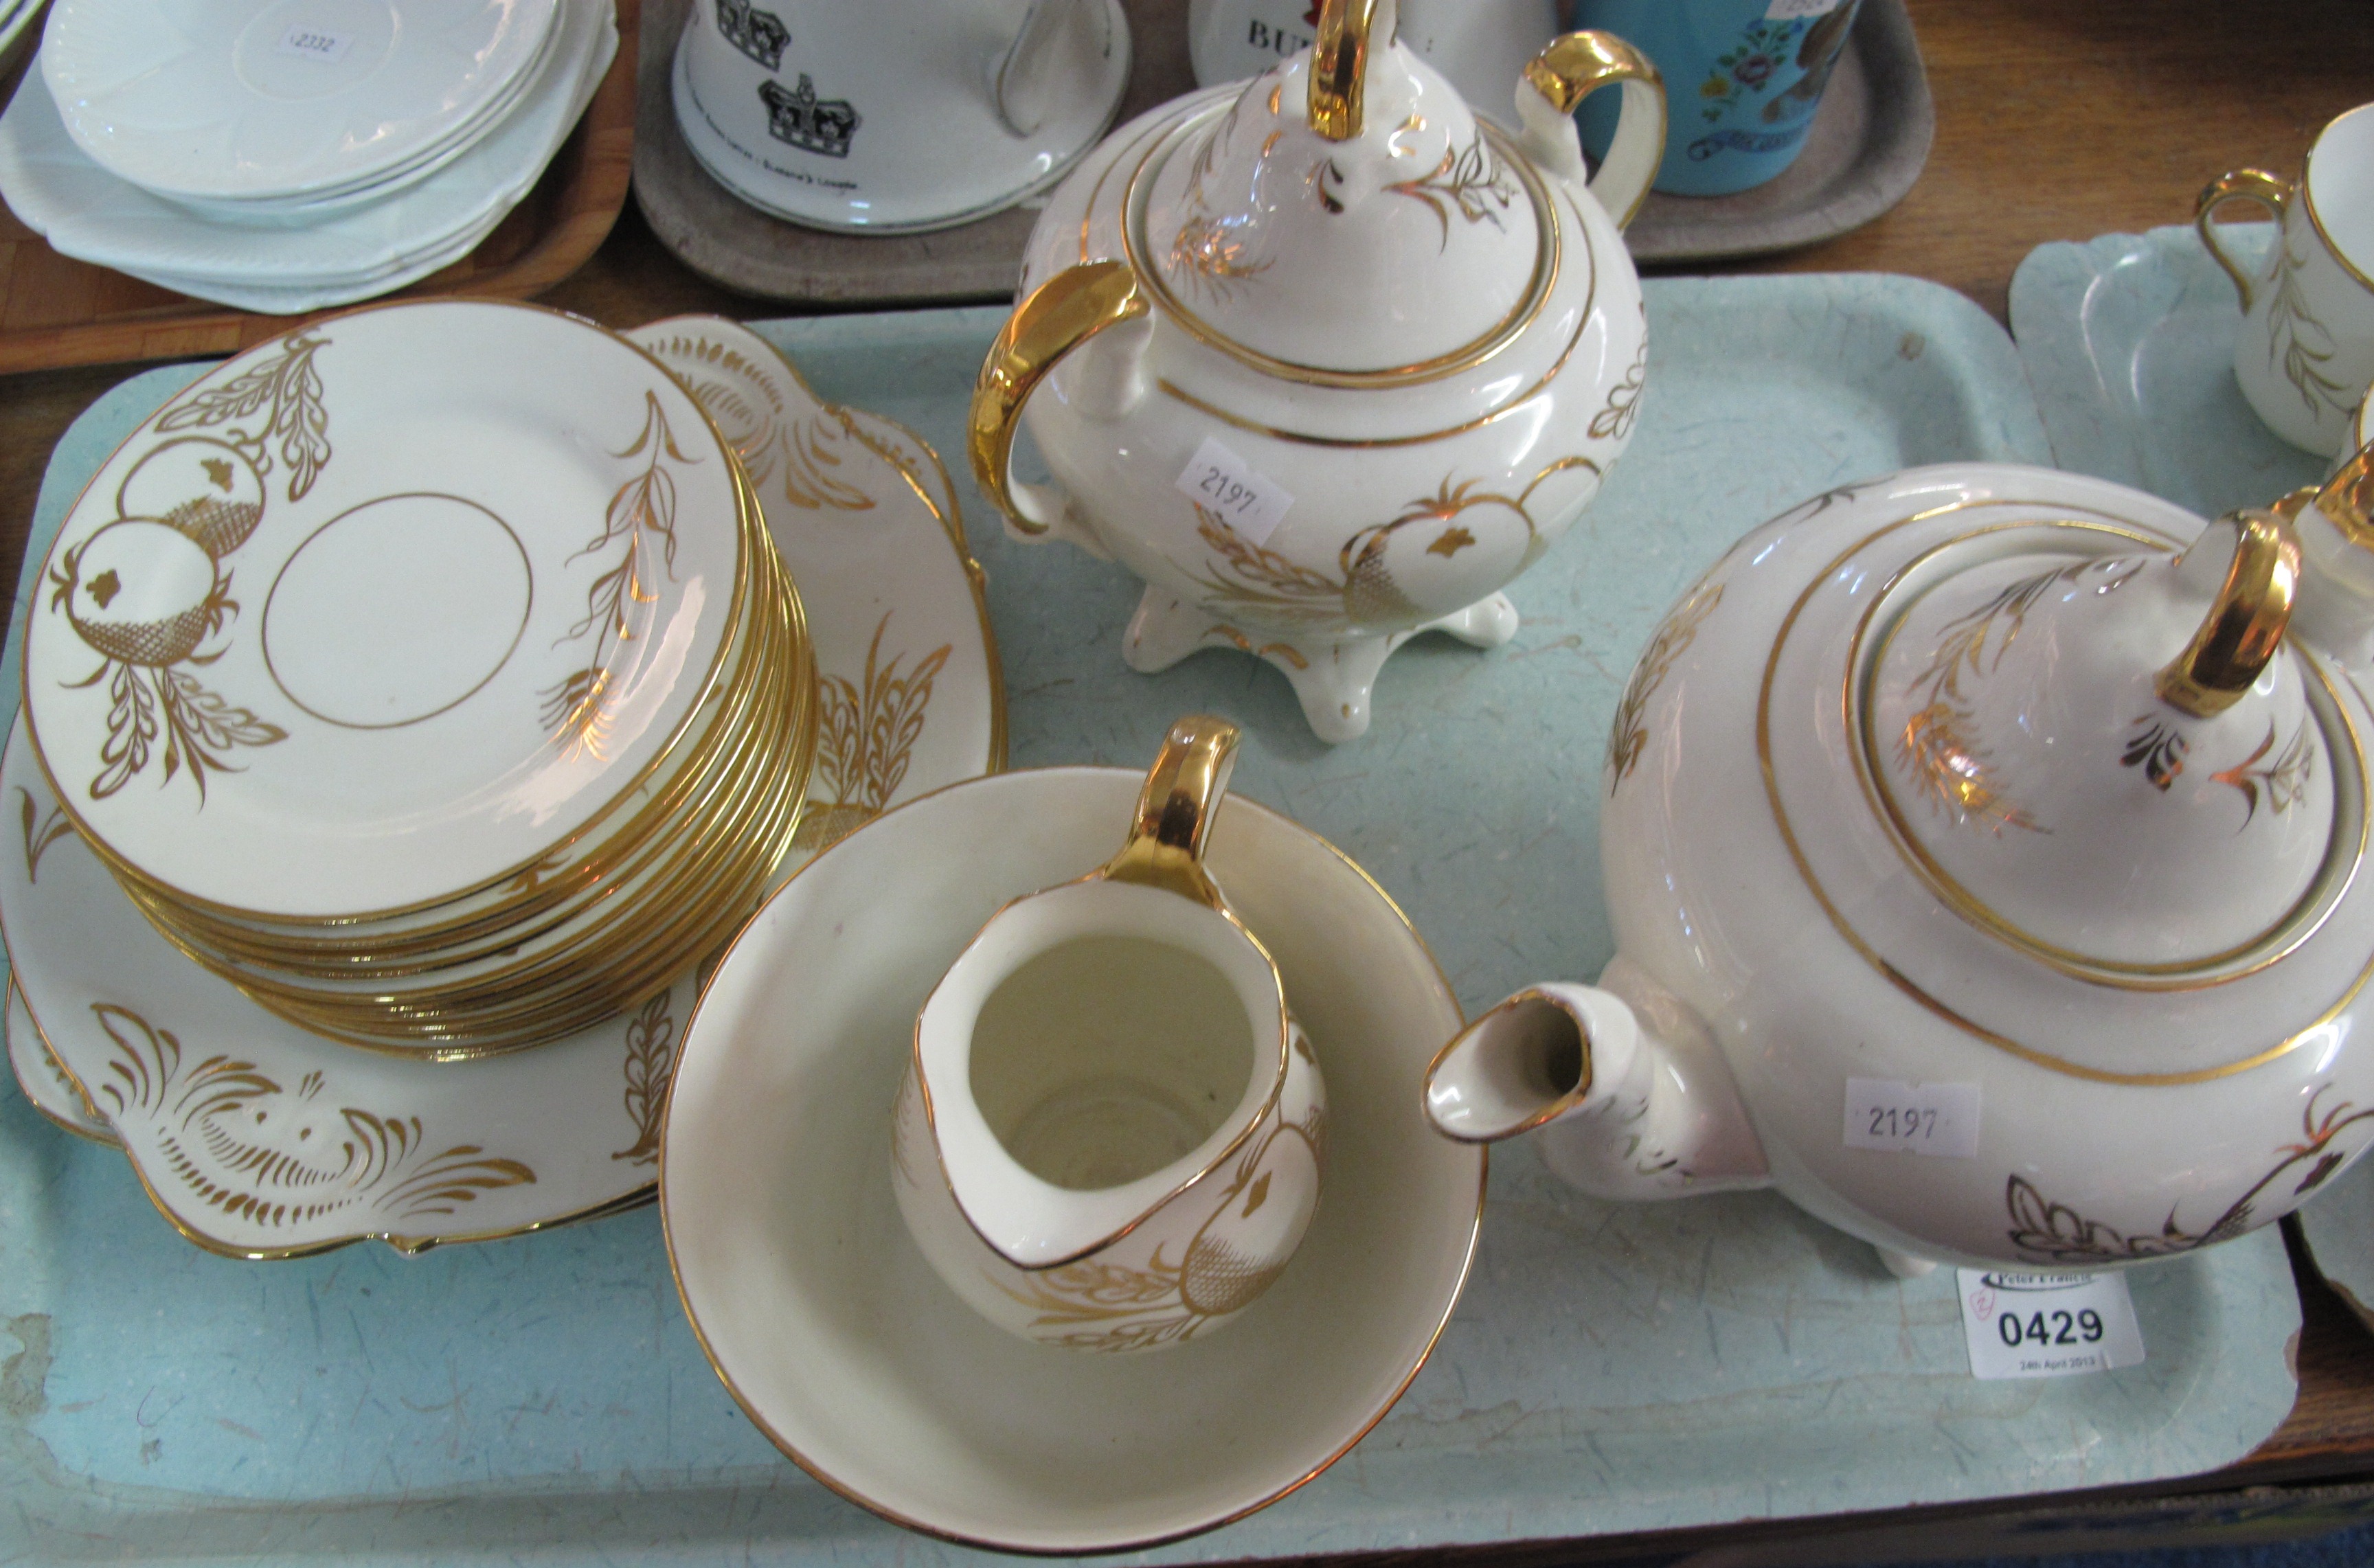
1610, 1369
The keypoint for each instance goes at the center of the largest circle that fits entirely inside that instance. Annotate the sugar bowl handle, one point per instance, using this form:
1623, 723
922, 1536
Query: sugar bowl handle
2241, 184
1567, 71
1183, 790
1060, 315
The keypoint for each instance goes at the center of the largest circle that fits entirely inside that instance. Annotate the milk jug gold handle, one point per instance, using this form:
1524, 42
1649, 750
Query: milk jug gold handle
1061, 315
1183, 790
1570, 69
2241, 184
2246, 624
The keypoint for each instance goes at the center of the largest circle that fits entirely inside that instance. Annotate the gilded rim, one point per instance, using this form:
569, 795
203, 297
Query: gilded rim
2335, 873
2316, 220
49, 1053
1547, 249
1887, 971
824, 1478
710, 680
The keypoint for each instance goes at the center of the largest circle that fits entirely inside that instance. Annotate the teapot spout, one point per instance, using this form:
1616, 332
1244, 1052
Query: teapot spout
1623, 1081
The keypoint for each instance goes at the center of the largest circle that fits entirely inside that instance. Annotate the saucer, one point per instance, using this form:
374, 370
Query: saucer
88, 214
278, 98
906, 663
831, 1330
946, 159
48, 1087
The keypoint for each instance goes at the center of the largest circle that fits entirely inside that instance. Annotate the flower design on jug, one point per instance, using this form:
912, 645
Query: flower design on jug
2283, 783
1628, 736
1471, 183
2304, 345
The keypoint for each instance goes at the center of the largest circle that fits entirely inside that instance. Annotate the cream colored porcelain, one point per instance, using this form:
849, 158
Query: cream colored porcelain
47, 1086
1987, 810
256, 1139
2306, 350
862, 510
1327, 361
1108, 1095
898, 115
846, 1348
245, 99
386, 610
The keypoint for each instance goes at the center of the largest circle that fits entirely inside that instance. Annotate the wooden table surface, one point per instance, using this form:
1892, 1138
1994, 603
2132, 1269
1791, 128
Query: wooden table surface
2055, 120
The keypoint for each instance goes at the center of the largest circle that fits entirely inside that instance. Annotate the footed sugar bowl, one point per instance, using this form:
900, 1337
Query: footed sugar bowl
1327, 360
1986, 849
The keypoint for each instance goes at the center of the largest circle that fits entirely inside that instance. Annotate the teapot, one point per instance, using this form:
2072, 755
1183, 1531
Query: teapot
1328, 360
1985, 851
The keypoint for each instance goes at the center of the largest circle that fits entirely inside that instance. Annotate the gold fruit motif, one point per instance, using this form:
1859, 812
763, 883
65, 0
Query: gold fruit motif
206, 488
143, 592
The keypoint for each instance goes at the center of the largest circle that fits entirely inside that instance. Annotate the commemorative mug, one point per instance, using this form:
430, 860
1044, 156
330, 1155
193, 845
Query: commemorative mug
1743, 78
2305, 351
1110, 1132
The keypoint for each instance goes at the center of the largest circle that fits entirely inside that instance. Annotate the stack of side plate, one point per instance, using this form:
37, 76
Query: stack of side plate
430, 675
243, 153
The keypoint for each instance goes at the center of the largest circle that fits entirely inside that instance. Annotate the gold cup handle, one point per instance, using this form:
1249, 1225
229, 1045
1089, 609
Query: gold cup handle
2246, 624
1183, 790
1570, 69
1061, 315
2241, 184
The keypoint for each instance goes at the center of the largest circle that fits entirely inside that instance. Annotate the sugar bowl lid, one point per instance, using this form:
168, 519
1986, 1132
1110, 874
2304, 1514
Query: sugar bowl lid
1348, 217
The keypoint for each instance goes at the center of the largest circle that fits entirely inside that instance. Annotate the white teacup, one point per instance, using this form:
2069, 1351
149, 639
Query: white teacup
1482, 45
898, 115
2305, 351
1110, 1135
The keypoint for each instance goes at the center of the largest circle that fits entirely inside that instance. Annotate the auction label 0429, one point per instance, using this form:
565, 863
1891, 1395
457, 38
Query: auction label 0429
2046, 1325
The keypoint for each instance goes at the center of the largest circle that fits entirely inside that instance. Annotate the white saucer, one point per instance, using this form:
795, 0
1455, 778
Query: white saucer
906, 663
88, 214
843, 1345
277, 97
948, 160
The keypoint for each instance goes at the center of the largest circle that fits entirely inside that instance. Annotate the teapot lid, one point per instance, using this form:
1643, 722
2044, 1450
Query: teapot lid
2108, 761
1347, 220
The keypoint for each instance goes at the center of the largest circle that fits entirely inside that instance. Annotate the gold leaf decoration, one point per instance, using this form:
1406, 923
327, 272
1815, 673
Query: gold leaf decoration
2284, 782
40, 832
650, 1056
640, 519
1628, 737
2304, 345
865, 738
1471, 183
2157, 747
287, 389
233, 1141
1614, 421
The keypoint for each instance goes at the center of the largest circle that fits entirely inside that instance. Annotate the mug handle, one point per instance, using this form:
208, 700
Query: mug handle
1570, 69
1183, 790
1061, 315
2240, 185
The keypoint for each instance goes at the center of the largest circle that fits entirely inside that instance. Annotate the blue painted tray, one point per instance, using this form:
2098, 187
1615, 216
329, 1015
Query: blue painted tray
1610, 1370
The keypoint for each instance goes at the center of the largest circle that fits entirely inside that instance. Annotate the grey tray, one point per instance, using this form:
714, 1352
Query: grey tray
1609, 1370
1868, 142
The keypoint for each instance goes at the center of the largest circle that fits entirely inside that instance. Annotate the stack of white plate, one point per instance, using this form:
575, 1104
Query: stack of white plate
282, 158
430, 675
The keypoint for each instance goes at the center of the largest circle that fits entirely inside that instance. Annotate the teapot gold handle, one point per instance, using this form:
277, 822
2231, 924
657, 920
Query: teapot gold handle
1570, 69
1183, 790
2246, 624
1061, 315
2240, 185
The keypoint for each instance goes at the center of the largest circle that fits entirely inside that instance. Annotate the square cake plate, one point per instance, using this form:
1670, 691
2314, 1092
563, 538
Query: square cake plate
1611, 1369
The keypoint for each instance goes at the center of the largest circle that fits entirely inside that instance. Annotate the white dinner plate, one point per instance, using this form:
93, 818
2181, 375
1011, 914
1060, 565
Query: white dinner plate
236, 99
385, 610
88, 214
